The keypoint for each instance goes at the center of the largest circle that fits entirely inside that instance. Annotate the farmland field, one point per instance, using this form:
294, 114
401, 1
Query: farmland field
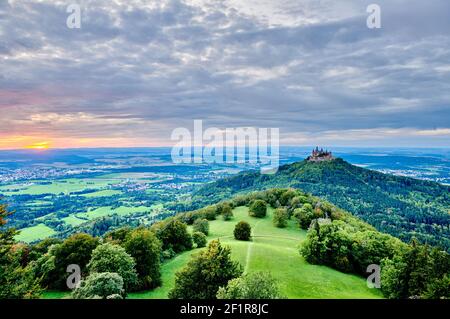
40, 231
64, 204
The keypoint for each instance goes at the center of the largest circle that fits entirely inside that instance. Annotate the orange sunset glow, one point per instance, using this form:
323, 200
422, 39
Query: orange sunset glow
39, 146
61, 142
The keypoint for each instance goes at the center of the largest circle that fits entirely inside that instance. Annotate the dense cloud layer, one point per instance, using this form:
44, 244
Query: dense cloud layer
138, 69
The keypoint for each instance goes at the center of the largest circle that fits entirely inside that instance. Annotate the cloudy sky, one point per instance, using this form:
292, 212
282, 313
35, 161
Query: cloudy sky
136, 70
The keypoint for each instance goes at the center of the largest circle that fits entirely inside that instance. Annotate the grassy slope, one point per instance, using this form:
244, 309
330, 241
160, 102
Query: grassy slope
275, 250
272, 249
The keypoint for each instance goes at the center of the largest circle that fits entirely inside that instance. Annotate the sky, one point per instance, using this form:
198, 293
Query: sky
137, 70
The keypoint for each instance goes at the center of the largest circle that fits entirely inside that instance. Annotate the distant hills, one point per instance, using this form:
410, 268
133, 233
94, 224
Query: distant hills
401, 206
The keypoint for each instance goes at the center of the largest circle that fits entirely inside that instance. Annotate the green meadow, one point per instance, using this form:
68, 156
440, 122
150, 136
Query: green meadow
271, 249
107, 210
39, 231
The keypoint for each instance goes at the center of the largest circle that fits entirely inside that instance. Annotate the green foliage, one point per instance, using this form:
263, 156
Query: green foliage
242, 231
77, 249
209, 212
44, 269
418, 272
201, 225
258, 208
113, 258
408, 271
258, 285
41, 248
173, 234
304, 215
239, 200
104, 285
287, 196
199, 239
347, 247
296, 202
205, 273
394, 278
117, 236
227, 211
145, 248
17, 280
280, 217
168, 254
438, 288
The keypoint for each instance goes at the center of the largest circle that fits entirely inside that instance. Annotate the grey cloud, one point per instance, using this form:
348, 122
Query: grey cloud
176, 62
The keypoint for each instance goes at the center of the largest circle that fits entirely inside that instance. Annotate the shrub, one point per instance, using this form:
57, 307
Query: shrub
242, 231
287, 196
259, 285
205, 273
168, 254
173, 234
258, 208
113, 258
280, 218
199, 239
209, 212
227, 211
201, 225
104, 285
240, 200
304, 215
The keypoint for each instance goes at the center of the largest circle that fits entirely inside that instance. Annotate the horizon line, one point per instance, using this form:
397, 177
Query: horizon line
164, 147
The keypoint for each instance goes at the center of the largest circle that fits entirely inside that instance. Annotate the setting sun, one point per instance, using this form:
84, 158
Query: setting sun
39, 146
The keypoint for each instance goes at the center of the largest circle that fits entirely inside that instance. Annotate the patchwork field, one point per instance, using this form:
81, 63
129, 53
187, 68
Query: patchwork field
41, 231
84, 199
271, 249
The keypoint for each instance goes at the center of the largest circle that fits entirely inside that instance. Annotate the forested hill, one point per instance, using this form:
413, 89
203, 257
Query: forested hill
401, 206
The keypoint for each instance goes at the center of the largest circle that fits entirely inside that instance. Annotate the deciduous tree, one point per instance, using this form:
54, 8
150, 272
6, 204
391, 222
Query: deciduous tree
258, 209
145, 248
113, 258
205, 273
242, 231
258, 285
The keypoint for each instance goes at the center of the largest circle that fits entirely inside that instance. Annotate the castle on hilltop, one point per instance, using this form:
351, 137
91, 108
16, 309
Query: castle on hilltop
320, 155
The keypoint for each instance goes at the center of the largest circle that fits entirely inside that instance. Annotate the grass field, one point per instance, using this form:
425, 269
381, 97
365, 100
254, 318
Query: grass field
271, 249
107, 210
33, 233
73, 220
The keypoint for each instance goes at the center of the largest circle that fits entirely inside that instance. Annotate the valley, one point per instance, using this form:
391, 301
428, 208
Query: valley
59, 192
